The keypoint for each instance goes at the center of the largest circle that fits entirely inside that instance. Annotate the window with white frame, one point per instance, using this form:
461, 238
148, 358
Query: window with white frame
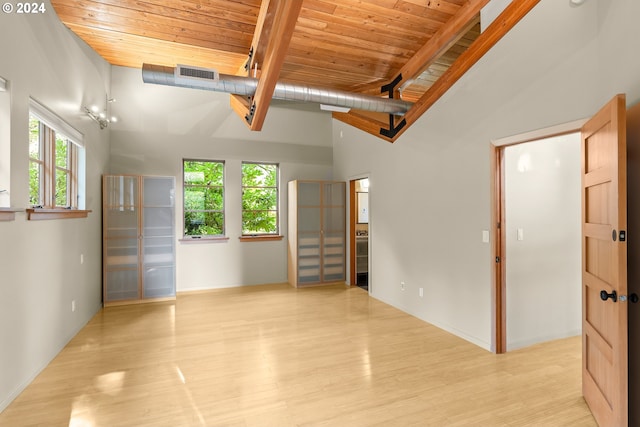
203, 189
259, 199
56, 159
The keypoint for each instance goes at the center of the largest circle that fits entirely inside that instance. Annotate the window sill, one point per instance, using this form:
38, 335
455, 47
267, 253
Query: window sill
9, 214
189, 240
39, 214
261, 238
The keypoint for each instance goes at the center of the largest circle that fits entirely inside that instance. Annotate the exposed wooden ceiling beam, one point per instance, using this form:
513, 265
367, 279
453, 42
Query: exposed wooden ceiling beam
272, 39
512, 14
260, 37
242, 104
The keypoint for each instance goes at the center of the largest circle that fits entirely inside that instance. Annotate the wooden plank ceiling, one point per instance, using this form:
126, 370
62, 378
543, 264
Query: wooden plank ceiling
348, 45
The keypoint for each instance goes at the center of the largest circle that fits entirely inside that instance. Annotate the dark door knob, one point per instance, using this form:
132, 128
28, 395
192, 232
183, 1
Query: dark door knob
633, 298
605, 296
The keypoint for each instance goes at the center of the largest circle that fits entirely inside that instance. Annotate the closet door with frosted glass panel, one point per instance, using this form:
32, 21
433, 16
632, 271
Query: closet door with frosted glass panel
121, 238
309, 232
333, 232
158, 237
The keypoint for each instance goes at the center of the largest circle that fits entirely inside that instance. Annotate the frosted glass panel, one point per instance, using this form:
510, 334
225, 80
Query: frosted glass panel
334, 256
334, 194
158, 222
122, 252
159, 282
334, 219
121, 285
309, 219
122, 223
308, 194
121, 191
159, 191
158, 250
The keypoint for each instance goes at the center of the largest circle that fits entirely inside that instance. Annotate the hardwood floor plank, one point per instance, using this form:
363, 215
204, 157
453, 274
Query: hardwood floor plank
279, 356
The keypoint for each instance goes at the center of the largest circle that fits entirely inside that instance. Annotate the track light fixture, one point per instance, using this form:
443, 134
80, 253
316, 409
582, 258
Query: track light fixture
101, 117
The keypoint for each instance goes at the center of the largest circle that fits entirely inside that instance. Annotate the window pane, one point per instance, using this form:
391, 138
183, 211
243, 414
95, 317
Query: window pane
34, 138
62, 152
259, 175
34, 183
62, 188
260, 199
203, 223
204, 198
259, 222
207, 173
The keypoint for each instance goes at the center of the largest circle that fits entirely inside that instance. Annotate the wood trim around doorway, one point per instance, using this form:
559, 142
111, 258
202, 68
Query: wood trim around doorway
498, 229
498, 249
353, 214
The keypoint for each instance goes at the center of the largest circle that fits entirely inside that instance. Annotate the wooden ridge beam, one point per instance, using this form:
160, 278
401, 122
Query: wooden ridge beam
512, 14
437, 45
441, 42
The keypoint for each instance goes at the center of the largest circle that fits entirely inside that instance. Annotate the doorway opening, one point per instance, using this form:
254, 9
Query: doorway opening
359, 233
536, 237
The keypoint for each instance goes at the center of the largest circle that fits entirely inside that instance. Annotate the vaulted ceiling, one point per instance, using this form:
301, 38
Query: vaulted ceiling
413, 50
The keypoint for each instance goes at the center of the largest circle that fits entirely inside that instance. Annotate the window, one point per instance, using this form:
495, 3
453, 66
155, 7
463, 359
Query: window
259, 199
52, 167
57, 166
203, 184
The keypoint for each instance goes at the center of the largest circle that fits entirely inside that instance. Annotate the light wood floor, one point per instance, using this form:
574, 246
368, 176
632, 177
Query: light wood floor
277, 356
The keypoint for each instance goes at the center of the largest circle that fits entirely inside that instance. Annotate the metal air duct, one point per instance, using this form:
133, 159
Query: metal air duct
200, 78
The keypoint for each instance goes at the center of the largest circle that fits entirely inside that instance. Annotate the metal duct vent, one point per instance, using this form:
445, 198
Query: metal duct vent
186, 74
207, 79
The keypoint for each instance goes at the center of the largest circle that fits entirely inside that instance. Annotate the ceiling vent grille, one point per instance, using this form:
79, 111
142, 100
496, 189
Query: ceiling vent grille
186, 74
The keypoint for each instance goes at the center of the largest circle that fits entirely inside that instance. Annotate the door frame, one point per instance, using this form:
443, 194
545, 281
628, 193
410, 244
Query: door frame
353, 218
498, 230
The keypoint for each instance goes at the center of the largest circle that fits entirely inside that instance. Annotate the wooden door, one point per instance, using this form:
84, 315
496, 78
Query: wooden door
604, 265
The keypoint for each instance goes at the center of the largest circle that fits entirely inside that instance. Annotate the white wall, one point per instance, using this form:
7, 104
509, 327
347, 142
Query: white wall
40, 271
5, 148
161, 125
543, 264
430, 191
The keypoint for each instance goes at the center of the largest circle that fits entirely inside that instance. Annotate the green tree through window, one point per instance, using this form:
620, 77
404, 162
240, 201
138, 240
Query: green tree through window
36, 162
63, 171
259, 198
52, 164
203, 198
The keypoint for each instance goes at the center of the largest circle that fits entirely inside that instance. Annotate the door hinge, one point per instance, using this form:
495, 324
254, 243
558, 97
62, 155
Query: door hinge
497, 259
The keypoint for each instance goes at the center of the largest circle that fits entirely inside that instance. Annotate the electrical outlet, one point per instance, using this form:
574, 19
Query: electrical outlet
81, 258
421, 292
73, 305
402, 286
